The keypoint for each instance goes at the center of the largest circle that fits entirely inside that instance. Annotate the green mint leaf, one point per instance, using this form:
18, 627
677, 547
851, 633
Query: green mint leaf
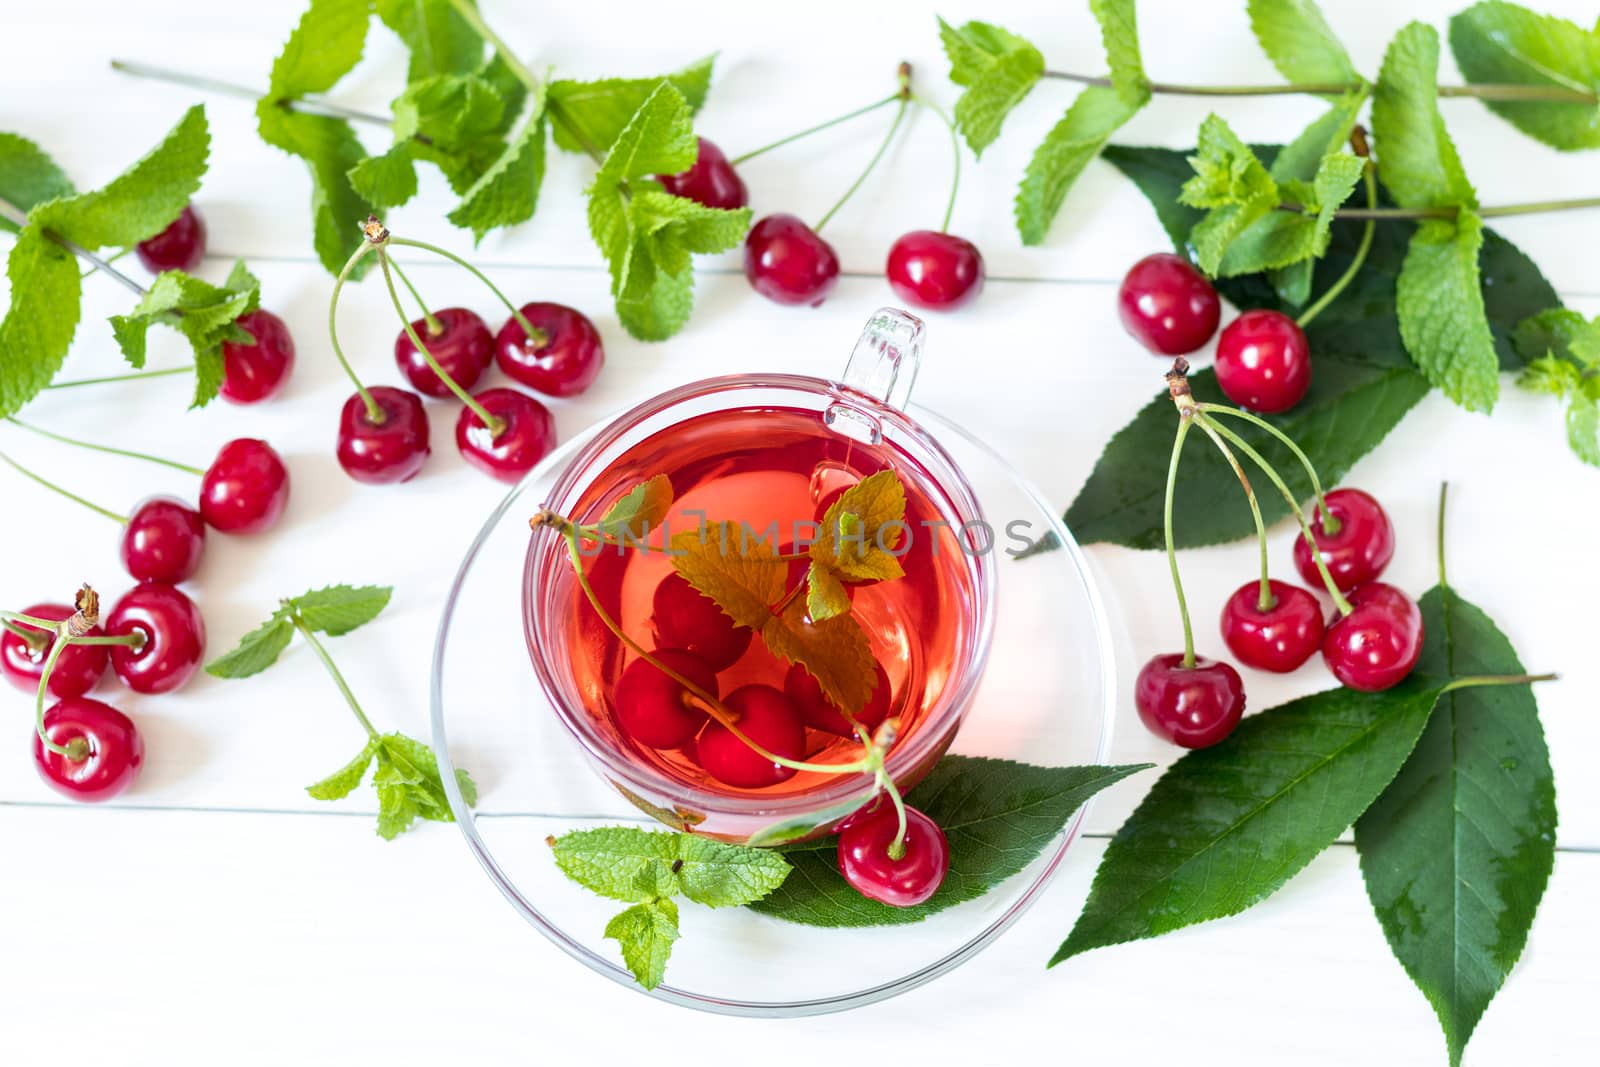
681, 223
439, 40
1549, 374
325, 46
1233, 184
619, 862
1328, 134
997, 69
28, 176
834, 651
826, 595
1225, 826
338, 609
1439, 300
1583, 427
1561, 332
657, 139
645, 933
862, 530
654, 305
998, 815
1417, 160
386, 181
1119, 33
342, 782
408, 785
508, 191
1457, 851
1298, 40
204, 313
41, 319
641, 509
1508, 44
733, 567
1069, 146
256, 650
1281, 238
721, 875
590, 116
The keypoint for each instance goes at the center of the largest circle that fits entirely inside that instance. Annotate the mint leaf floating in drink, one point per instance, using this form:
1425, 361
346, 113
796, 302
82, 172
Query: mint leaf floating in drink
406, 775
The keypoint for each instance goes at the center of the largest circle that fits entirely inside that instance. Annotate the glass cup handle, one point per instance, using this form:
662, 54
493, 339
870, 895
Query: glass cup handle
883, 366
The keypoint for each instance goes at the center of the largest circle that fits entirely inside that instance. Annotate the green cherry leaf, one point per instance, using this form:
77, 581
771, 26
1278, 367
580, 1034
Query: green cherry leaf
641, 509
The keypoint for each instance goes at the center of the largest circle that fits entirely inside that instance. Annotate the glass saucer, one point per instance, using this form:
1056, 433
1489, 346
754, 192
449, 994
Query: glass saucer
1046, 697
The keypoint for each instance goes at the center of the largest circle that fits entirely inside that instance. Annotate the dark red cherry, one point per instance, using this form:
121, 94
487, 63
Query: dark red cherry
463, 347
564, 356
163, 540
1167, 305
1278, 639
654, 709
245, 489
788, 262
935, 270
1189, 706
686, 619
1357, 551
178, 247
765, 716
104, 754
711, 181
252, 373
1263, 362
77, 670
382, 452
820, 713
527, 434
1376, 645
174, 638
866, 863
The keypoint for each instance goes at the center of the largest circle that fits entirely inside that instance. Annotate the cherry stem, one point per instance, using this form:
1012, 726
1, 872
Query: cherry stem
1355, 264
19, 218
109, 259
1184, 421
26, 634
1265, 601
955, 147
135, 376
1486, 91
894, 127
522, 320
435, 327
857, 113
174, 464
496, 425
897, 847
1476, 680
375, 414
25, 472
1330, 522
333, 671
195, 81
61, 642
1444, 495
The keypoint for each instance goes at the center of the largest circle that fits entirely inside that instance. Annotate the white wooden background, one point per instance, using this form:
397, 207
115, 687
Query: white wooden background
216, 915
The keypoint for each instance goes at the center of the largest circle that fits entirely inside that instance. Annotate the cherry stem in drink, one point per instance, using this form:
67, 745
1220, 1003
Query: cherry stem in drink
955, 147
134, 377
53, 487
1355, 263
516, 313
435, 327
1184, 422
375, 413
1265, 601
1330, 522
904, 96
42, 432
333, 669
857, 113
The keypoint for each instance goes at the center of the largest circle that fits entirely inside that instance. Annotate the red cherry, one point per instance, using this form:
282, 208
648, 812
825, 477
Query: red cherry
1358, 551
393, 450
935, 270
77, 670
1263, 362
105, 750
765, 716
820, 713
527, 436
178, 247
564, 356
1190, 706
711, 181
245, 489
1377, 644
787, 262
686, 619
174, 638
252, 373
163, 540
462, 347
651, 707
1279, 639
865, 862
1167, 305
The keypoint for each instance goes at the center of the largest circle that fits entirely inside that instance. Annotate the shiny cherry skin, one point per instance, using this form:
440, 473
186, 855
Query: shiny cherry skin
787, 262
253, 373
652, 708
765, 716
105, 750
865, 862
527, 435
935, 270
379, 453
78, 669
463, 347
1279, 639
820, 713
1358, 551
163, 541
180, 246
564, 356
1190, 706
174, 638
245, 489
1263, 362
712, 181
1377, 644
685, 619
1167, 305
